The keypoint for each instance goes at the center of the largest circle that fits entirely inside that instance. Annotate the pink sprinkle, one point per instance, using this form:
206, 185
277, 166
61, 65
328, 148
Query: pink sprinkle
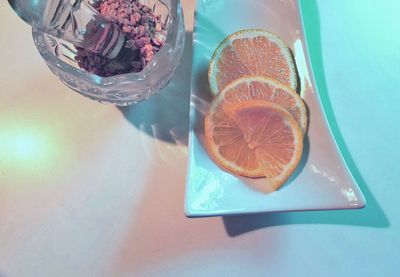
148, 47
141, 30
132, 20
105, 10
124, 16
137, 16
155, 42
113, 13
149, 56
126, 29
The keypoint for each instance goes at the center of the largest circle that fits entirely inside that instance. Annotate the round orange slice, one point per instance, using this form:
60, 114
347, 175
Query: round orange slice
253, 138
264, 88
251, 52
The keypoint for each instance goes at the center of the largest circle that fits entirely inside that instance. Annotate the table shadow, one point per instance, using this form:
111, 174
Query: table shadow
165, 116
372, 215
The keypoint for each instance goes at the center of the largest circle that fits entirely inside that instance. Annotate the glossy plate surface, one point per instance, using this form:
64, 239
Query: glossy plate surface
322, 181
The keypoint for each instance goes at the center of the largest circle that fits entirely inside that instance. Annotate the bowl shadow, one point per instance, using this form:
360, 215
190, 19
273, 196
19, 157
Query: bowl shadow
165, 116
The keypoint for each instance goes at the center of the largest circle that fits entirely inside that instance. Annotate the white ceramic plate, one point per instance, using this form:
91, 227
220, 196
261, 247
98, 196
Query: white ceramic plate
322, 181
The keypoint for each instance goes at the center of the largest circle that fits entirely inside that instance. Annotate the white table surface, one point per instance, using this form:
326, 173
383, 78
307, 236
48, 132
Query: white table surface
88, 189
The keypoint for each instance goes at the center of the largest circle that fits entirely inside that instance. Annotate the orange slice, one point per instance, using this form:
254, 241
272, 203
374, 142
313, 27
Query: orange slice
263, 88
253, 138
251, 52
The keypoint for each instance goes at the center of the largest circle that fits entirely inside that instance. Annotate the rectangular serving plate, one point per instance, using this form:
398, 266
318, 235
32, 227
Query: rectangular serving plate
322, 181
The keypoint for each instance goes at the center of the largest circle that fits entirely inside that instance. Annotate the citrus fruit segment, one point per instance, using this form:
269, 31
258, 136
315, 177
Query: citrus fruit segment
254, 138
263, 88
251, 52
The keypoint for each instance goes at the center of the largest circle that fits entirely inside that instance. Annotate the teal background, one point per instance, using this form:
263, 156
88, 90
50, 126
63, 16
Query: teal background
354, 48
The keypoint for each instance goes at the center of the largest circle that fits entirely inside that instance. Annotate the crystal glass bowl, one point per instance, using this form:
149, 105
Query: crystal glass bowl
123, 89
